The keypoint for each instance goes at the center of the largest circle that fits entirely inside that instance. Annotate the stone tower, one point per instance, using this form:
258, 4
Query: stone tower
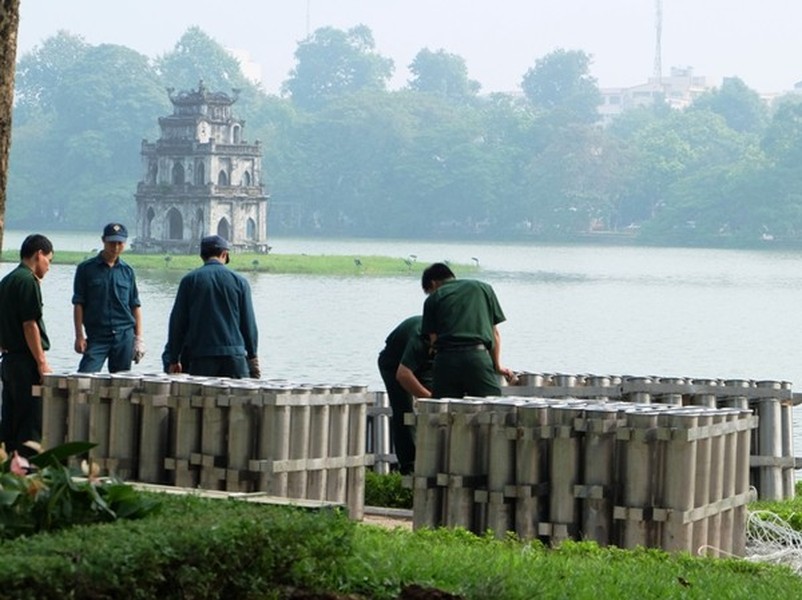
201, 178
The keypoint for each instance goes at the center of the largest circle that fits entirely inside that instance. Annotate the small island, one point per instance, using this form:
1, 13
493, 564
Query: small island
301, 264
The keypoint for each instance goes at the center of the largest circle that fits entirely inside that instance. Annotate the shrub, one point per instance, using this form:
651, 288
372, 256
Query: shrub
191, 548
387, 490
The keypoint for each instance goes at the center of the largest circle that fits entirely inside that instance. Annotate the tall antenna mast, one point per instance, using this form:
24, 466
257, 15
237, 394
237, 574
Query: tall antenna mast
658, 51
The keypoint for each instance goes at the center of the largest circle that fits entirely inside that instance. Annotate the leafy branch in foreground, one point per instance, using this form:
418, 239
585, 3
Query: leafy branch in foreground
43, 494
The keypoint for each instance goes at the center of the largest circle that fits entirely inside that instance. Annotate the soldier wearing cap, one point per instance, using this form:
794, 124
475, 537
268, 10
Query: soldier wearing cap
106, 308
213, 318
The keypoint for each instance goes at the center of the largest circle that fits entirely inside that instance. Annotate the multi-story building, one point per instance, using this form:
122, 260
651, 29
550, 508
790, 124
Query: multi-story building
678, 90
201, 177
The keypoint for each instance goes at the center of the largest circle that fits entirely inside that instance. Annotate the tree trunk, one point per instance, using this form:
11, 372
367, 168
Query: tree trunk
9, 24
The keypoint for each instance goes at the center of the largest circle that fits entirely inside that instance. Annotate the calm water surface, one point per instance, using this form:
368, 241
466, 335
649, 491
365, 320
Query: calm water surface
571, 309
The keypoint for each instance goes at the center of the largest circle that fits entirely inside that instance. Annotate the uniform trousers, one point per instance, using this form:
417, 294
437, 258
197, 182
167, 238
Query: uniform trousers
117, 345
464, 372
21, 412
401, 402
235, 367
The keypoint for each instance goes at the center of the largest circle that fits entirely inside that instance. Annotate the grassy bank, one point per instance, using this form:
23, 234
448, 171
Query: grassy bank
390, 564
384, 562
270, 263
196, 548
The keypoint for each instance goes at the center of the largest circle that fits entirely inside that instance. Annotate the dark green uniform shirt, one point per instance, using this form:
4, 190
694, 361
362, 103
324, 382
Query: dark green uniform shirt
397, 340
462, 312
405, 345
20, 301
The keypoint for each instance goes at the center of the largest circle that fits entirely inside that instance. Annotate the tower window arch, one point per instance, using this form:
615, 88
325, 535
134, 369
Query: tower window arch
153, 171
198, 230
223, 228
200, 173
222, 178
250, 229
178, 173
246, 179
175, 225
151, 214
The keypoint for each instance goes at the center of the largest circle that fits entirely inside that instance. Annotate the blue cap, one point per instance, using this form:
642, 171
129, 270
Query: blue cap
212, 244
115, 232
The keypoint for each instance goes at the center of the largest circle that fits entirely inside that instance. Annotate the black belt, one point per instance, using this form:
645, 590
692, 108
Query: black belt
470, 348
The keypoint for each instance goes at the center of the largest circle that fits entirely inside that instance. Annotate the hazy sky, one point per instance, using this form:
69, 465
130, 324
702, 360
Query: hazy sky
499, 39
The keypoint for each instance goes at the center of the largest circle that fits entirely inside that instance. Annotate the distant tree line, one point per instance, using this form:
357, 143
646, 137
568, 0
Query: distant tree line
346, 156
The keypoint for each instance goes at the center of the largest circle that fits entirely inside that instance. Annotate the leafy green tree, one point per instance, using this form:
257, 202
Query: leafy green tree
560, 197
779, 199
566, 183
508, 132
397, 164
742, 108
442, 73
332, 63
197, 56
560, 83
782, 140
632, 120
41, 72
683, 164
89, 136
272, 122
332, 170
461, 173
31, 140
443, 174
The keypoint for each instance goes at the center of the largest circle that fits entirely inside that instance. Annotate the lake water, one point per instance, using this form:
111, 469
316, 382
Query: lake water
570, 309
666, 312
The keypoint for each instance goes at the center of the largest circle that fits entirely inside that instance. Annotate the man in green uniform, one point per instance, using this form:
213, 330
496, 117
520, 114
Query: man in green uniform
23, 341
460, 316
405, 367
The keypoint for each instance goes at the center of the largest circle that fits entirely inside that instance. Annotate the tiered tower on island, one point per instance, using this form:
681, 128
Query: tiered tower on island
200, 178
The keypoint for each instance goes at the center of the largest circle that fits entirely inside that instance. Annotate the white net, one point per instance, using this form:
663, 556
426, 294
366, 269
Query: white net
771, 539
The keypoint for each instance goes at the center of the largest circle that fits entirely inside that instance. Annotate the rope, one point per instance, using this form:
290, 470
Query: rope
771, 539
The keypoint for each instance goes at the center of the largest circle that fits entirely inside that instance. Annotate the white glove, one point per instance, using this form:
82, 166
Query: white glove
139, 348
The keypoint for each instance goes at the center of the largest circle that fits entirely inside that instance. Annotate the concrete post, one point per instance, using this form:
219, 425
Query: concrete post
679, 478
531, 467
320, 402
153, 437
431, 452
